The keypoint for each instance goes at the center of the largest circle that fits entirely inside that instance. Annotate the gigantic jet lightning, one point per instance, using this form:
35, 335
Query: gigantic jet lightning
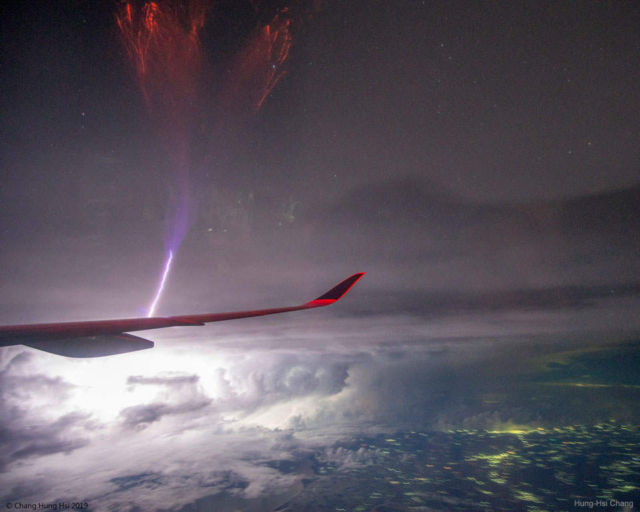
108, 337
162, 39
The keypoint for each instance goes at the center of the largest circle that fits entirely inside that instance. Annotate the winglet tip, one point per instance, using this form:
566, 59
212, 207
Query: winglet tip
338, 291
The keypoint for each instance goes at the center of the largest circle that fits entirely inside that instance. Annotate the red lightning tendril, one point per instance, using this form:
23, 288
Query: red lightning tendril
277, 37
261, 63
271, 46
162, 40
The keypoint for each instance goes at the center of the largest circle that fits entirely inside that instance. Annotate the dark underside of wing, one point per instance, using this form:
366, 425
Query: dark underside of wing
92, 346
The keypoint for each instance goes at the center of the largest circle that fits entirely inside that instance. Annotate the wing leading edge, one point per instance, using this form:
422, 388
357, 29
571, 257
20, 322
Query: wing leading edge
107, 337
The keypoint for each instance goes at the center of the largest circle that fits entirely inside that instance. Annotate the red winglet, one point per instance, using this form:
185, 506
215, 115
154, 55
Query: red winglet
336, 293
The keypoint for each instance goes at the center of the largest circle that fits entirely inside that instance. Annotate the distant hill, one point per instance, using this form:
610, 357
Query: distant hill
606, 210
410, 201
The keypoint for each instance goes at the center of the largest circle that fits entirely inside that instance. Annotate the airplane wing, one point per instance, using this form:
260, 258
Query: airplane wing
107, 337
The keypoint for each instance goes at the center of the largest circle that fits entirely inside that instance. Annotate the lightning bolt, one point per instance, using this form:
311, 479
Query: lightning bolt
165, 273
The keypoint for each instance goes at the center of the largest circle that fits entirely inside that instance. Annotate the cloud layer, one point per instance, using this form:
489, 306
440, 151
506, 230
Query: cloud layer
236, 411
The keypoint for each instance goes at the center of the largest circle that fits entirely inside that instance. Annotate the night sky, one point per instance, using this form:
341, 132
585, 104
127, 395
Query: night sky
480, 161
